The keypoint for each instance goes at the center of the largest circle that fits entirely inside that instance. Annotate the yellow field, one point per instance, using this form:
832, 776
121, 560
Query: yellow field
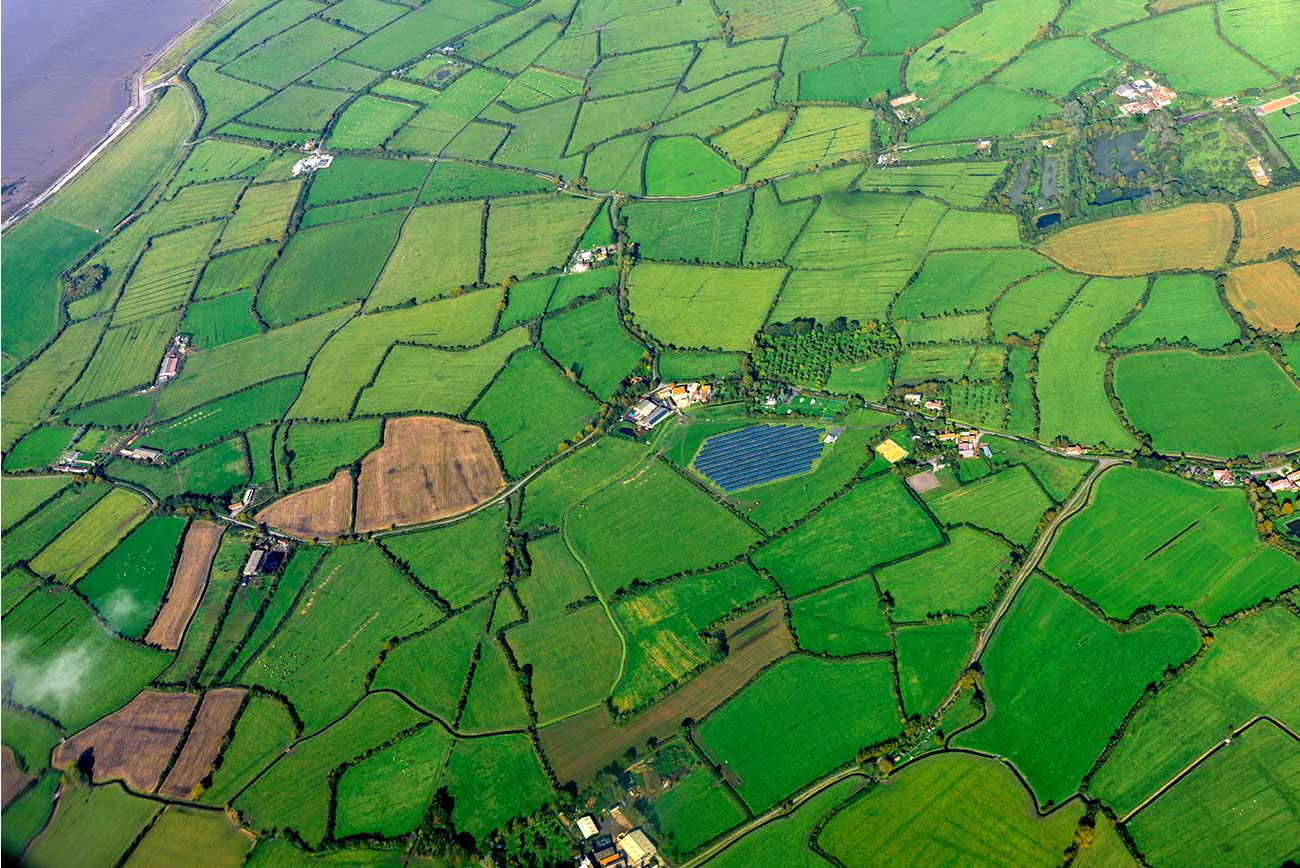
1190, 236
1267, 294
1268, 223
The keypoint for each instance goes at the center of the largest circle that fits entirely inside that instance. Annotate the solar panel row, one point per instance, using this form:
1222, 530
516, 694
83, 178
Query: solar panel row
758, 454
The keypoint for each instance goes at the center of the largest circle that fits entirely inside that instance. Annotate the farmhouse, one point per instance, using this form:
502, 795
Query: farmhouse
171, 362
1144, 96
934, 406
1289, 480
587, 826
142, 453
313, 162
660, 403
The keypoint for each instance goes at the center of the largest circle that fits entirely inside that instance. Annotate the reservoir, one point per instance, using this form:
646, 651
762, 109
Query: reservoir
65, 78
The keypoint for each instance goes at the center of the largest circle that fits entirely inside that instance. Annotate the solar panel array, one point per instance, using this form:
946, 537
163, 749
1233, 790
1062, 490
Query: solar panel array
758, 454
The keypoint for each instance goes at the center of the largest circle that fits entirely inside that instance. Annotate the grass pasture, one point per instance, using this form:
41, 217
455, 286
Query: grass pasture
1210, 405
563, 411
685, 166
1185, 45
234, 271
315, 451
263, 215
706, 230
798, 720
450, 182
841, 620
127, 357
311, 276
387, 794
425, 379
916, 818
1243, 673
590, 342
1057, 66
785, 840
220, 320
1182, 307
532, 234
557, 643
627, 514
297, 107
215, 420
1030, 306
437, 251
696, 809
549, 495
959, 576
369, 122
1051, 731
1009, 503
876, 522
1072, 399
127, 585
683, 305
1199, 551
91, 536
853, 80
818, 136
985, 110
460, 562
664, 624
431, 668
1239, 805
290, 53
163, 277
930, 657
494, 779
963, 184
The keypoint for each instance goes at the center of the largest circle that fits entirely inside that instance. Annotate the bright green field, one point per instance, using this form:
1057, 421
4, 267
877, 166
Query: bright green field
876, 522
1197, 549
841, 620
686, 167
590, 342
930, 657
798, 720
1239, 806
958, 576
127, 585
1009, 503
562, 408
683, 305
1047, 645
1210, 405
1182, 307
949, 810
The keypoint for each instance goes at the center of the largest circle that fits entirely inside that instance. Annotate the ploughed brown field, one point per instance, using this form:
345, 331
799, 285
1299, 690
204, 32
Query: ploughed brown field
1267, 294
1268, 223
1189, 236
428, 468
134, 743
321, 512
12, 779
204, 741
582, 745
191, 577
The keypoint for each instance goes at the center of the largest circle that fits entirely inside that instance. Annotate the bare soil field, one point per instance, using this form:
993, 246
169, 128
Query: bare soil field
320, 512
204, 742
135, 742
1267, 294
1268, 223
12, 779
428, 468
168, 628
1190, 236
580, 746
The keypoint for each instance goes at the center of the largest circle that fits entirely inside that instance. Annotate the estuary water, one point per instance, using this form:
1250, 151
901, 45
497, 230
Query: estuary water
65, 69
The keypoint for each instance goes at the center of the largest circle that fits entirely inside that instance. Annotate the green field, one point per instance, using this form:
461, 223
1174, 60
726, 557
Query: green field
127, 586
875, 523
590, 342
1051, 731
1198, 551
1009, 503
563, 411
930, 657
681, 304
1182, 307
798, 720
956, 577
1238, 805
664, 627
627, 514
1221, 406
1243, 673
533, 215
841, 620
916, 818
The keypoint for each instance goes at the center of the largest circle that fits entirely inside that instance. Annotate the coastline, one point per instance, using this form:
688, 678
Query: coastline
141, 99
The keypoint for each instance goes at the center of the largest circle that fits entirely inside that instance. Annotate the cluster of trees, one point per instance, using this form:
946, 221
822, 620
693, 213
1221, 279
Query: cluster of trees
803, 350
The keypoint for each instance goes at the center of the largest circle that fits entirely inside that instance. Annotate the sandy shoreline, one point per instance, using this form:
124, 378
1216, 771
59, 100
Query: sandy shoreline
140, 100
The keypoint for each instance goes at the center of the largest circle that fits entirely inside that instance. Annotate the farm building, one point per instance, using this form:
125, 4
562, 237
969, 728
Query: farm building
587, 826
637, 848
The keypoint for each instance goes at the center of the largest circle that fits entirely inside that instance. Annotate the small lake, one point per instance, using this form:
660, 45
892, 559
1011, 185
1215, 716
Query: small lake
65, 71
